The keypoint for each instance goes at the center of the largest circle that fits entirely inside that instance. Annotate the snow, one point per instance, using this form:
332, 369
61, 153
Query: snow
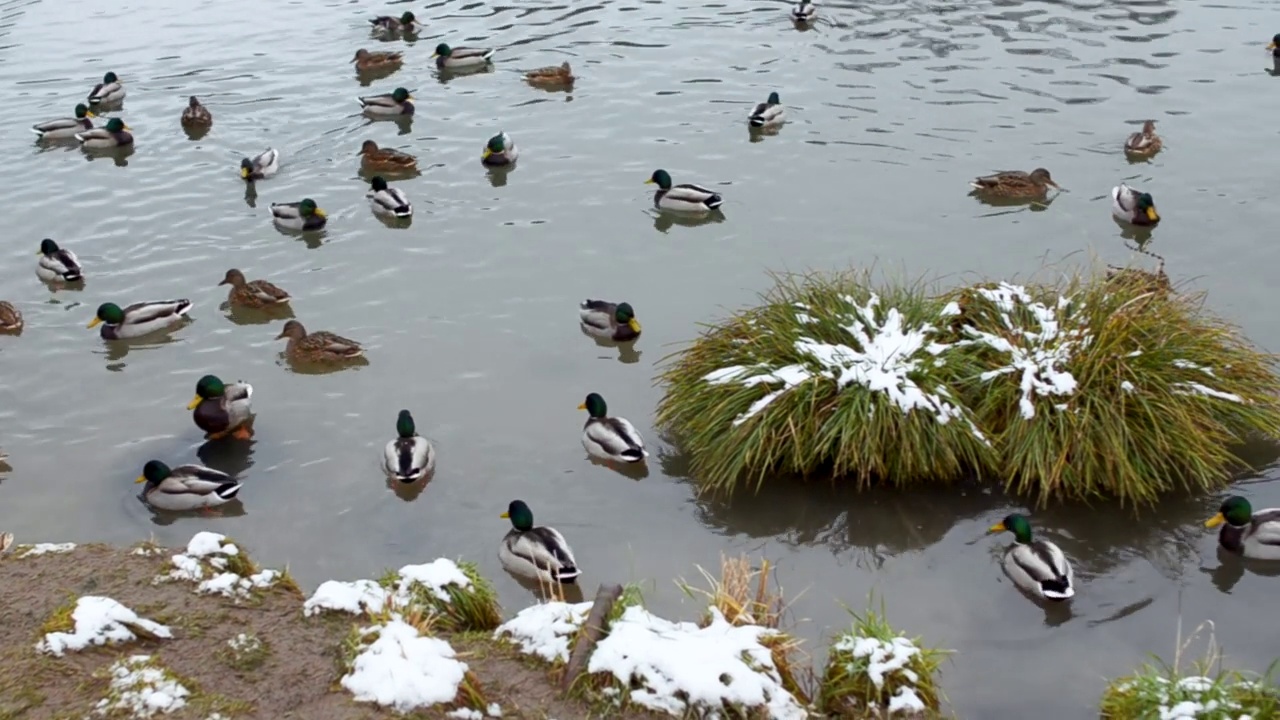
404, 670
141, 689
349, 597
369, 596
545, 630
882, 659
242, 644
1194, 388
680, 668
1196, 706
210, 543
43, 548
214, 551
952, 309
434, 576
1126, 386
99, 621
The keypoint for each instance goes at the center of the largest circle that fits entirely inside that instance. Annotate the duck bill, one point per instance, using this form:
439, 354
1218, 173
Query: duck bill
1152, 215
194, 402
141, 479
320, 213
244, 173
505, 516
90, 113
998, 527
1215, 521
126, 127
434, 56
583, 406
486, 154
650, 182
94, 323
634, 325
1271, 46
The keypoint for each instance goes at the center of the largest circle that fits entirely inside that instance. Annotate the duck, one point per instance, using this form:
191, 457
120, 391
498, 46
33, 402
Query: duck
409, 457
1145, 143
301, 215
186, 487
396, 102
610, 438
683, 198
1133, 206
222, 409
1274, 47
386, 200
114, 134
57, 264
66, 128
260, 166
196, 115
1036, 566
317, 346
139, 319
536, 552
10, 317
459, 58
1245, 532
767, 113
252, 293
608, 321
387, 24
107, 92
1015, 184
366, 60
804, 12
500, 150
552, 76
376, 158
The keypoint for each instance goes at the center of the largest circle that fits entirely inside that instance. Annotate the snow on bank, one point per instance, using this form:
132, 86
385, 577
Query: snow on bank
545, 630
25, 551
883, 661
403, 669
100, 621
368, 596
141, 689
207, 562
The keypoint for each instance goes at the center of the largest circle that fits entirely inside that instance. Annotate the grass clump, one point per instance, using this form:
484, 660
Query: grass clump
61, 620
244, 653
874, 671
454, 607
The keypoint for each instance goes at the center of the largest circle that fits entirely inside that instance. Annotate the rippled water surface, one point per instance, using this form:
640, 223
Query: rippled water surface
470, 313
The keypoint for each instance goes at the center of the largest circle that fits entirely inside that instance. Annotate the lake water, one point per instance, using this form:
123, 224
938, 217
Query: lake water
470, 313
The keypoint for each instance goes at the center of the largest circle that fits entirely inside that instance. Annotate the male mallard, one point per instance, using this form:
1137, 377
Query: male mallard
109, 91
460, 58
610, 438
500, 150
253, 294
65, 128
10, 317
409, 457
397, 102
1252, 534
804, 12
260, 166
57, 264
1274, 47
139, 319
186, 487
376, 158
1133, 206
1036, 566
114, 134
301, 215
389, 25
386, 200
767, 113
317, 346
536, 552
1145, 143
1015, 184
609, 321
685, 198
196, 115
366, 60
222, 409
553, 76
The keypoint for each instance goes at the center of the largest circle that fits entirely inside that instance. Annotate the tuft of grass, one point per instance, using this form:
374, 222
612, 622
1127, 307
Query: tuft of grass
240, 563
60, 619
631, 596
470, 608
859, 683
244, 653
288, 584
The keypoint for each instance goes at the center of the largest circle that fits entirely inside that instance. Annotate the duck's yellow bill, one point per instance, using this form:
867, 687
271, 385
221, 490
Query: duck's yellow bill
485, 155
89, 113
634, 324
94, 323
194, 402
1152, 215
434, 55
1272, 46
583, 406
126, 127
244, 173
1215, 521
505, 516
998, 527
320, 213
141, 479
650, 182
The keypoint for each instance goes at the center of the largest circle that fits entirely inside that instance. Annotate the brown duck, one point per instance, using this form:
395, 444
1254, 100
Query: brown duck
1015, 184
552, 76
318, 346
366, 60
10, 317
1145, 143
252, 293
196, 115
376, 158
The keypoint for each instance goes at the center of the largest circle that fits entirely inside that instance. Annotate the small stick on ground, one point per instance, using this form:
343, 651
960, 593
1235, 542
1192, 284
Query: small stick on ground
592, 631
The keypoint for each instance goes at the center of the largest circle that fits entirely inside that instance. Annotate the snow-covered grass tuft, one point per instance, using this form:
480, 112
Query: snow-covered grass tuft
96, 621
26, 551
545, 630
244, 652
220, 567
874, 671
455, 595
396, 666
141, 688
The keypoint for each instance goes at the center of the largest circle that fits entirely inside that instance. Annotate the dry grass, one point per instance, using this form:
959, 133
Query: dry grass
60, 619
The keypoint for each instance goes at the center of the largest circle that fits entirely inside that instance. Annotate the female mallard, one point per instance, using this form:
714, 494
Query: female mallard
1015, 184
139, 319
684, 198
376, 158
1133, 206
536, 552
386, 200
196, 115
409, 457
114, 134
1252, 534
461, 58
57, 264
317, 346
253, 294
222, 409
109, 91
608, 321
553, 76
66, 128
767, 113
397, 102
804, 12
186, 487
1145, 143
366, 61
610, 438
301, 215
1036, 566
500, 150
260, 166
10, 317
388, 25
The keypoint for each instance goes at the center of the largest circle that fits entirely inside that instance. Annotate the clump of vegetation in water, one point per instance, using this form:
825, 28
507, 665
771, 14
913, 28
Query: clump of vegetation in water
874, 671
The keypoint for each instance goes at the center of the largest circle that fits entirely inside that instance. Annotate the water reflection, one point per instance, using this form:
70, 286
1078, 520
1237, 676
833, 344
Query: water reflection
995, 201
632, 471
407, 491
117, 350
627, 352
196, 132
316, 368
164, 518
372, 75
313, 239
251, 195
1140, 234
544, 593
497, 176
118, 155
1232, 568
229, 455
664, 221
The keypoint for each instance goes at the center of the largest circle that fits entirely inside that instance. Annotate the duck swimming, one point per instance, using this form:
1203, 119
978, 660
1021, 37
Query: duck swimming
1133, 206
409, 457
682, 198
1015, 184
57, 264
139, 319
1245, 532
222, 409
186, 487
66, 128
107, 92
1036, 566
536, 552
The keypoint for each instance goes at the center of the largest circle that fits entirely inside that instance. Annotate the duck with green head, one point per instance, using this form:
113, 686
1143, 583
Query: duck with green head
260, 166
768, 113
409, 457
186, 487
682, 198
539, 553
608, 321
107, 92
301, 215
114, 134
391, 25
1037, 567
397, 103
386, 200
222, 409
612, 439
139, 319
1133, 206
65, 128
57, 264
500, 150
461, 58
1245, 532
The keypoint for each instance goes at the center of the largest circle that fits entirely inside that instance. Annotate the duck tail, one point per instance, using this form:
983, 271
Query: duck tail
37, 131
1057, 589
633, 454
756, 121
228, 491
568, 575
404, 211
715, 201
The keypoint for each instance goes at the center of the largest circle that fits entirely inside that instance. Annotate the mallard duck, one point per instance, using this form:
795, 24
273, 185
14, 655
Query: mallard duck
1036, 566
222, 409
57, 264
1245, 532
409, 457
376, 158
109, 91
804, 12
66, 128
386, 200
186, 487
196, 115
1274, 47
114, 134
684, 198
1015, 184
1145, 143
767, 113
253, 294
139, 319
260, 166
317, 346
536, 552
301, 215
608, 320
610, 438
552, 76
1133, 206
387, 24
366, 60
10, 317
500, 150
397, 102
460, 58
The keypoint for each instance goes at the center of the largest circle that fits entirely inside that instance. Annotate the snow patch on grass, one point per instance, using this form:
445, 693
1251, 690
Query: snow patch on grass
25, 551
401, 669
100, 621
545, 630
219, 568
141, 689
